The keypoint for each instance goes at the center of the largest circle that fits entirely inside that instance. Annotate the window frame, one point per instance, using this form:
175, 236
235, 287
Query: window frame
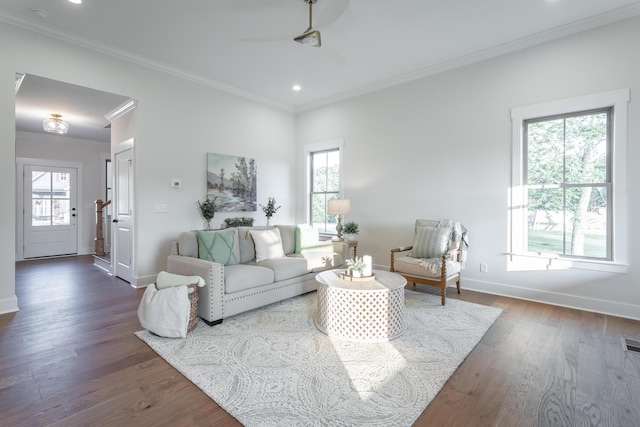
617, 100
309, 150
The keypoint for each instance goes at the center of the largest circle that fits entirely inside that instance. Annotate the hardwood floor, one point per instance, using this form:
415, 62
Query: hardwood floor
69, 358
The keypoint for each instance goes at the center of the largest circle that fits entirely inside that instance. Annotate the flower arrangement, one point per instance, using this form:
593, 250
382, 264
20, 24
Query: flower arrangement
239, 221
270, 209
355, 267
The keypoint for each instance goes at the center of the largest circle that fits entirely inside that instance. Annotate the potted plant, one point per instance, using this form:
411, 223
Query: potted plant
350, 230
270, 209
208, 209
239, 221
355, 267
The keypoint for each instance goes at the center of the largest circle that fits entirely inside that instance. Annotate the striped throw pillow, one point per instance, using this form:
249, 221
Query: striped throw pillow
430, 242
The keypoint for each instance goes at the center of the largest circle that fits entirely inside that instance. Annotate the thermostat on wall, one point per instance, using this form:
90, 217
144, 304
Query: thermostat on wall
175, 183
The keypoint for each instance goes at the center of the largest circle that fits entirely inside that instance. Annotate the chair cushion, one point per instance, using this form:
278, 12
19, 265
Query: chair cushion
268, 244
218, 246
414, 267
430, 242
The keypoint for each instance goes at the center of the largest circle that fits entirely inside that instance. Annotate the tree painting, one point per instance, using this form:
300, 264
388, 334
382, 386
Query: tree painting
233, 180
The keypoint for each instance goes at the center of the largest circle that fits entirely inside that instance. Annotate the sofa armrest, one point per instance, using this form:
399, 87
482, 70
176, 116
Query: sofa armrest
211, 294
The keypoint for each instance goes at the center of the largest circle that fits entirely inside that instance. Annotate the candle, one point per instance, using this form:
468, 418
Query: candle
368, 265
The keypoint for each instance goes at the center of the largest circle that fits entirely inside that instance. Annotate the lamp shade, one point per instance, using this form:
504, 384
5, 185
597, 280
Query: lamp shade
339, 207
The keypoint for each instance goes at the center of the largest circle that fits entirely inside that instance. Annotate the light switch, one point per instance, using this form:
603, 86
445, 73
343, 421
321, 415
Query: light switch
175, 183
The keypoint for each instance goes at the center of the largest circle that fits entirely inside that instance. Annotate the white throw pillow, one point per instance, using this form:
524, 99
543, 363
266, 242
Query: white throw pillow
268, 244
430, 242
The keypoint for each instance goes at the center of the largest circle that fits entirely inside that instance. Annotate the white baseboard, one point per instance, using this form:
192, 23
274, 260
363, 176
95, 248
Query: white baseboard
9, 305
612, 308
143, 282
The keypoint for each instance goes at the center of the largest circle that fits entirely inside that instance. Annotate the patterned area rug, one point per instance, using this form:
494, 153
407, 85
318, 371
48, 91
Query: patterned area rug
272, 367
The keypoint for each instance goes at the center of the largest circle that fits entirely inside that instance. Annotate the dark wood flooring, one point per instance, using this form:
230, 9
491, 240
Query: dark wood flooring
69, 358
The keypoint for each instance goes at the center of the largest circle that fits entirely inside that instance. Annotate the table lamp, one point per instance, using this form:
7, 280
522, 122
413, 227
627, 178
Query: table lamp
339, 207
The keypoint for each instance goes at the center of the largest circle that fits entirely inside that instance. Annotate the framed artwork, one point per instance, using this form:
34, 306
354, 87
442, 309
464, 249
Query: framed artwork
233, 180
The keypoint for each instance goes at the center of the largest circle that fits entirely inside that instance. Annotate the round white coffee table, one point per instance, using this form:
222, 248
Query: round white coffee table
371, 310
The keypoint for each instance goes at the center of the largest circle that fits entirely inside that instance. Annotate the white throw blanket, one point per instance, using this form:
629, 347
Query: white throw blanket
167, 280
165, 312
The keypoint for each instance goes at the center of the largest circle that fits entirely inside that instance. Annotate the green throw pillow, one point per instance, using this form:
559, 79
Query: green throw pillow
306, 237
431, 242
217, 246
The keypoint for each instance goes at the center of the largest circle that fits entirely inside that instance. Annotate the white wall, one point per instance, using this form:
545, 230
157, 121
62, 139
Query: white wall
440, 147
89, 154
175, 124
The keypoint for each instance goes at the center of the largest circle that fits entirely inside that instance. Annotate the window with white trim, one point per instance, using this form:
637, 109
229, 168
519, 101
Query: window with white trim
324, 165
568, 204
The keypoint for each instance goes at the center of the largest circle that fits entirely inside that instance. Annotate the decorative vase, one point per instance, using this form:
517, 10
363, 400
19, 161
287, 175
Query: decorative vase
207, 225
350, 237
268, 218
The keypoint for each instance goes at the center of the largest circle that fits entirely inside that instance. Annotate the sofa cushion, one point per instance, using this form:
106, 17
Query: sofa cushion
241, 277
288, 236
268, 244
218, 246
286, 267
247, 249
188, 244
306, 237
430, 242
412, 266
319, 260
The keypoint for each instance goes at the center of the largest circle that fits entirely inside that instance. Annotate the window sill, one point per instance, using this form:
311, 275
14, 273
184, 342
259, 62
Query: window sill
547, 262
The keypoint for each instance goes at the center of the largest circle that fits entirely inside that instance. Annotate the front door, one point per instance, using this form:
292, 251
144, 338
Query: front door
50, 213
123, 215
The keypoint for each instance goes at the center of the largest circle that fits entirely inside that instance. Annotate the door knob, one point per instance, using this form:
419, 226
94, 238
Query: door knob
115, 220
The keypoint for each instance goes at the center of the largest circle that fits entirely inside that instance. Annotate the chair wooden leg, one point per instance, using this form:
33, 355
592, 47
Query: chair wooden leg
458, 285
444, 293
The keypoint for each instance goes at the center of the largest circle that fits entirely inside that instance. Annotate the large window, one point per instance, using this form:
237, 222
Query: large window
323, 182
568, 184
325, 186
569, 192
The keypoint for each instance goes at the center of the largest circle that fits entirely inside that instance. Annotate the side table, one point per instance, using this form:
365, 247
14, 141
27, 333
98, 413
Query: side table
353, 244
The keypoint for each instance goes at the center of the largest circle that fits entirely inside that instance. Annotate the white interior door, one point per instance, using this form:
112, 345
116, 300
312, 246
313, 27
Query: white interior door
50, 213
123, 215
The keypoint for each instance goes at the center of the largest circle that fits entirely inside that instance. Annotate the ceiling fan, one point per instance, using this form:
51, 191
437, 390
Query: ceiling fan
311, 36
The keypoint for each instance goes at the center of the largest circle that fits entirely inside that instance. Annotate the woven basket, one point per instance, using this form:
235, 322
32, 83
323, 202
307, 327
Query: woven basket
193, 315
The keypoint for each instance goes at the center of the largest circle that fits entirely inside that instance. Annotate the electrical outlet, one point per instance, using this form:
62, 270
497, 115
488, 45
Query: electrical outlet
161, 208
483, 267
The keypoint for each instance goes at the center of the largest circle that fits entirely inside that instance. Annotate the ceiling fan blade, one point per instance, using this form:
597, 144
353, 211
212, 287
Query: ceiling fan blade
331, 13
263, 39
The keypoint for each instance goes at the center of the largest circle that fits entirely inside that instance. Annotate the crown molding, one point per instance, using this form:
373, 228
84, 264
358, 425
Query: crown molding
502, 49
121, 110
136, 59
39, 137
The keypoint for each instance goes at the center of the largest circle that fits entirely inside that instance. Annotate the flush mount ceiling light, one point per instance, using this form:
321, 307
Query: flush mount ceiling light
310, 37
55, 124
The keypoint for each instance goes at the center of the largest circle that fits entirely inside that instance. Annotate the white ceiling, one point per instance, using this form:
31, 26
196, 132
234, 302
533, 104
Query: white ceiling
245, 46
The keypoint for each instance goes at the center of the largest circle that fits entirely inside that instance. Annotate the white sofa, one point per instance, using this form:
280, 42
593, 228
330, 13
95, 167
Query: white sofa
245, 282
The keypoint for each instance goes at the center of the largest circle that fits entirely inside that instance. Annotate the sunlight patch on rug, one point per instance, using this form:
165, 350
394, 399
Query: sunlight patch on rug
272, 367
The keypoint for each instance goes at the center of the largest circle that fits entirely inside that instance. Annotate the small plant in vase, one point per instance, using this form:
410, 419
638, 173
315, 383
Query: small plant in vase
355, 267
208, 209
350, 230
270, 209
